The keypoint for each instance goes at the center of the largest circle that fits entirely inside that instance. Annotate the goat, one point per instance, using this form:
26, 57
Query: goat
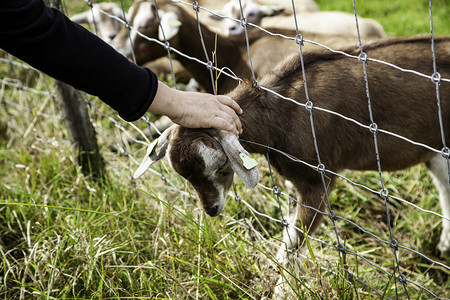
324, 22
253, 13
402, 102
301, 6
266, 50
179, 28
104, 26
329, 22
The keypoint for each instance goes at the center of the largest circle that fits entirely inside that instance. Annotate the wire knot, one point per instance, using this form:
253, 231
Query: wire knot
393, 244
402, 278
445, 152
340, 248
384, 193
373, 128
276, 191
167, 45
321, 168
436, 78
362, 58
332, 215
284, 223
244, 22
309, 106
256, 85
209, 65
195, 6
299, 39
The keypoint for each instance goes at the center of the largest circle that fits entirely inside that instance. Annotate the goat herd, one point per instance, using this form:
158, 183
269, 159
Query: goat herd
402, 103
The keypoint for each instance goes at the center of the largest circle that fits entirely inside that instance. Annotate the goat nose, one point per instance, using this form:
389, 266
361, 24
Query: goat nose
212, 211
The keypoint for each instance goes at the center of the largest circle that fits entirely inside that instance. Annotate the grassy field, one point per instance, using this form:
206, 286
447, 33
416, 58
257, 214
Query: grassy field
399, 18
65, 236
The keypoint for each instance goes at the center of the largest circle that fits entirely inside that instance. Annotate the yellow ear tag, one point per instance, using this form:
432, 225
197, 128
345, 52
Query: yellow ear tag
151, 146
174, 23
249, 163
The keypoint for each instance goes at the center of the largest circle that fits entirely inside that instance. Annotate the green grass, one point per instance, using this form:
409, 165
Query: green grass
399, 18
66, 236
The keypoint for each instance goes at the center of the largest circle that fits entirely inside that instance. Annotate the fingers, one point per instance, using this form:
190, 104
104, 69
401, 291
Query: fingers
230, 103
227, 120
231, 108
220, 123
231, 117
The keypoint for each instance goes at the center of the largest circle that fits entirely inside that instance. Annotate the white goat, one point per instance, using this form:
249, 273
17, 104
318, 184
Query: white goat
301, 6
329, 22
402, 103
323, 22
253, 12
101, 24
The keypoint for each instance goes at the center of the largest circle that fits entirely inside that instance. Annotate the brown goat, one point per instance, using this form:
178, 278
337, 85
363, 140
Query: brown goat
182, 33
402, 103
267, 51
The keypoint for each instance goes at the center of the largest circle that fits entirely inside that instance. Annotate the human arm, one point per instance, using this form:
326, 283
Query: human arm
46, 39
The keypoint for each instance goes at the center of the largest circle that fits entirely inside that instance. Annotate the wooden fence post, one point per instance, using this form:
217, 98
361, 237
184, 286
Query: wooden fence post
76, 118
81, 131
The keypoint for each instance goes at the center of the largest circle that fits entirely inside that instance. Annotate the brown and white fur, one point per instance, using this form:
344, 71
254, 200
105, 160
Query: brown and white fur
181, 30
402, 103
101, 24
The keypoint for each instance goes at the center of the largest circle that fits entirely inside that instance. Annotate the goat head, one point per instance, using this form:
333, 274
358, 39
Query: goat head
207, 158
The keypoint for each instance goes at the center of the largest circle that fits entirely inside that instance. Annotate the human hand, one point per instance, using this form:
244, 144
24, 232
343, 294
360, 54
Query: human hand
197, 110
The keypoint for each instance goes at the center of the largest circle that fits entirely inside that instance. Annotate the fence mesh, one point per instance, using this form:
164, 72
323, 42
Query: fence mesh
31, 111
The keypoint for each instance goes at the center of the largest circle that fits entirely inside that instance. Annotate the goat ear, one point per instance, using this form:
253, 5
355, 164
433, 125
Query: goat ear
170, 25
271, 10
155, 151
241, 162
81, 18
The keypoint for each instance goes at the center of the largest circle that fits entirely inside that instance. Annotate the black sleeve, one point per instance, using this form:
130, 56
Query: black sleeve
47, 40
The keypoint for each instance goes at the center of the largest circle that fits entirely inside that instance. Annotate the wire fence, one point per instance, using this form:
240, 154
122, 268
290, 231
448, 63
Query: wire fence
337, 244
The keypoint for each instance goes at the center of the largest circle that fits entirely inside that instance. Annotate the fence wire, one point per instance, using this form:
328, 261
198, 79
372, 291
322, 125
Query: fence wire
395, 271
